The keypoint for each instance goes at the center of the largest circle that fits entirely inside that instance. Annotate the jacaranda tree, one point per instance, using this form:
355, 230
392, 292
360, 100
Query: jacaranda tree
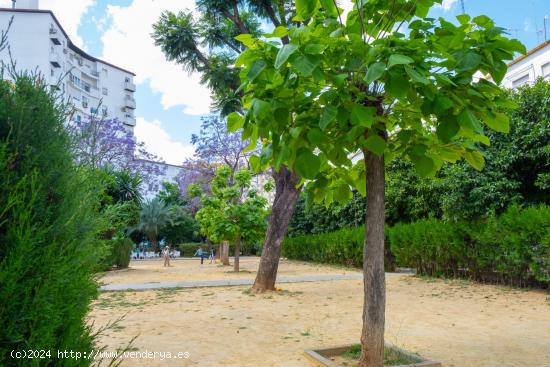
336, 89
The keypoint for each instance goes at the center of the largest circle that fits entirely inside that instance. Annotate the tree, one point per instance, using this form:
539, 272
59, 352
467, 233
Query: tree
184, 227
100, 143
233, 211
183, 39
338, 89
154, 216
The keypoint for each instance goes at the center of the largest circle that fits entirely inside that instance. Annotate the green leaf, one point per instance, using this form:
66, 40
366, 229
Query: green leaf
374, 72
261, 109
475, 159
449, 154
362, 116
305, 64
316, 137
256, 69
330, 8
397, 86
423, 165
327, 116
447, 129
500, 122
416, 76
468, 120
234, 122
283, 54
463, 19
279, 32
246, 39
397, 59
470, 61
307, 164
305, 9
255, 163
375, 144
315, 49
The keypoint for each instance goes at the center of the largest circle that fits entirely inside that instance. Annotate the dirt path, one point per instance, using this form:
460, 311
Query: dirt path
458, 323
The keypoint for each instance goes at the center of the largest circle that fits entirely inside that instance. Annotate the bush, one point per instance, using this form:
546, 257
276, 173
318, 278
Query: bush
343, 247
48, 230
513, 248
119, 251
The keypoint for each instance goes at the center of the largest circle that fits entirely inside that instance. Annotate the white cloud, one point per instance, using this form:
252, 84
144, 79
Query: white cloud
69, 14
128, 43
448, 4
159, 142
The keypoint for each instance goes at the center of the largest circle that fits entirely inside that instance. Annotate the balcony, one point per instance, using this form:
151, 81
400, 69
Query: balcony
130, 86
95, 73
53, 36
55, 60
130, 103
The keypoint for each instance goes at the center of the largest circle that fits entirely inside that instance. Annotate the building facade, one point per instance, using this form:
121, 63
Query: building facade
38, 42
527, 68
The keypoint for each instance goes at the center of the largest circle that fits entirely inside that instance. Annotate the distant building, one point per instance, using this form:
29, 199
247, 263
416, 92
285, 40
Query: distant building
527, 68
95, 87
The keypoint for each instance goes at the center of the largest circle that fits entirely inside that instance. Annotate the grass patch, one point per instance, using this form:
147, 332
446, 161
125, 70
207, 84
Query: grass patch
392, 357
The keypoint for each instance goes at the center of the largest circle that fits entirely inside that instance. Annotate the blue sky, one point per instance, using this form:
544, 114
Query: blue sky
170, 102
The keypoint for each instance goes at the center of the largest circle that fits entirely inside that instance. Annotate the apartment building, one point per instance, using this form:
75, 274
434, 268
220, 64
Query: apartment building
527, 68
38, 41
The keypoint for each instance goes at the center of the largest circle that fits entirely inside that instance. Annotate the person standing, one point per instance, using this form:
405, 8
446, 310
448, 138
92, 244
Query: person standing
200, 252
212, 255
166, 255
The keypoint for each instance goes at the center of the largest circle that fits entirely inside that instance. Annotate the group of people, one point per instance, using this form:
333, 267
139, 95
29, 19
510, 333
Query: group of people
167, 254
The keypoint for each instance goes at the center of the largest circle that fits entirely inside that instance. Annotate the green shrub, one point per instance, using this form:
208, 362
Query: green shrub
48, 230
513, 248
119, 253
343, 247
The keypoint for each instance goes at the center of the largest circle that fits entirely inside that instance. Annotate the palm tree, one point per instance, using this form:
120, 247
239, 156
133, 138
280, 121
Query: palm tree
155, 215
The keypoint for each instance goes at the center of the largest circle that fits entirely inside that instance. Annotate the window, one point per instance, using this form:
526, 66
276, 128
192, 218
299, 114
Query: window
52, 73
520, 81
104, 91
546, 70
127, 80
104, 72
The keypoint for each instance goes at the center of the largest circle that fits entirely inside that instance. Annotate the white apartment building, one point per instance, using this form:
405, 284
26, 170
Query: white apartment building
527, 68
95, 87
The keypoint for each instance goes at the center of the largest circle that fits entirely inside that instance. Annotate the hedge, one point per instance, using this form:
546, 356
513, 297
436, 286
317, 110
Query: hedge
513, 248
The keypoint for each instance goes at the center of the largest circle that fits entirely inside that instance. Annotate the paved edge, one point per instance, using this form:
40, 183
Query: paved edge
232, 282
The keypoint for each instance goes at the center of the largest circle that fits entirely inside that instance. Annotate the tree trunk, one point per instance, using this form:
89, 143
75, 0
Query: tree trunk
286, 196
372, 336
237, 253
154, 245
225, 253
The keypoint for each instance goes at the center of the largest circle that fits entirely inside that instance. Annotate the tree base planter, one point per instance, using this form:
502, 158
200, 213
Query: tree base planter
349, 356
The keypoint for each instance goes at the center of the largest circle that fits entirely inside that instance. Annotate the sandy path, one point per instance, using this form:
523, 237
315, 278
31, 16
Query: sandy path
458, 323
151, 271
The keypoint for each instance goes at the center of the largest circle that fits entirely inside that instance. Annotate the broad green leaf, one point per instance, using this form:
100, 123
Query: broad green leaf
305, 64
374, 72
449, 154
416, 76
330, 8
315, 49
246, 39
482, 139
327, 116
423, 165
255, 163
470, 61
500, 122
283, 54
375, 144
279, 32
447, 129
307, 164
234, 122
463, 19
468, 120
397, 86
256, 69
397, 59
362, 116
261, 109
316, 137
499, 71
475, 159
305, 9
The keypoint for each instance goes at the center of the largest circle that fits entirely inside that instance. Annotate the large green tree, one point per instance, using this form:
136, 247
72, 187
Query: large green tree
207, 45
338, 88
154, 216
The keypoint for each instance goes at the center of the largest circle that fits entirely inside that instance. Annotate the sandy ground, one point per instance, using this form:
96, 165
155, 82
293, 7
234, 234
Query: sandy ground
458, 323
152, 271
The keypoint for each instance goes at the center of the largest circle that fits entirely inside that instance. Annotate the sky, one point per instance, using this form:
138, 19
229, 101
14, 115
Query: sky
170, 102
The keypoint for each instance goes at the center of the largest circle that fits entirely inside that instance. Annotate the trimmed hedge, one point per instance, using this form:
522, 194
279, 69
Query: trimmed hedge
513, 248
343, 247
